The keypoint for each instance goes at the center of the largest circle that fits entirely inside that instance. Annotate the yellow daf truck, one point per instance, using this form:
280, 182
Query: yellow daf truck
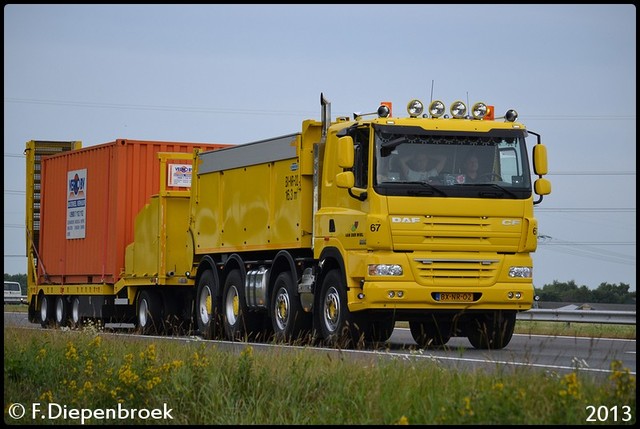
338, 231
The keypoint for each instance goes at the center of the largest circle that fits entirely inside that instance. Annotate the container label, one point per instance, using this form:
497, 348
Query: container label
76, 203
180, 175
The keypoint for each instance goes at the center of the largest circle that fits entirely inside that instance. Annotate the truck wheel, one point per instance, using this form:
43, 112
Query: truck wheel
46, 311
149, 313
492, 330
288, 318
430, 333
379, 330
62, 311
334, 319
207, 309
239, 323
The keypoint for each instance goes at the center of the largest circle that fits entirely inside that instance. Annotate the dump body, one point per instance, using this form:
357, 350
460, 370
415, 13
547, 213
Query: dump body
254, 197
161, 251
90, 198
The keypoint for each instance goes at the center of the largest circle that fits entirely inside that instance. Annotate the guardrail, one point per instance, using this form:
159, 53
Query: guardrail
580, 316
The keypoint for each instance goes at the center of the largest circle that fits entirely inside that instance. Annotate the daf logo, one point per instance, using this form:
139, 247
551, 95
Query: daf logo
510, 222
405, 220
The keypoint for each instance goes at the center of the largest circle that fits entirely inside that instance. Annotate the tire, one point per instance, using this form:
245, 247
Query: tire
493, 330
45, 311
380, 330
149, 313
334, 321
289, 320
75, 319
207, 307
61, 311
430, 332
239, 323
175, 322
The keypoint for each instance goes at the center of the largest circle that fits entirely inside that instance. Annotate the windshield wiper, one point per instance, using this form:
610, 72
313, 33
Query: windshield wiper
424, 191
502, 188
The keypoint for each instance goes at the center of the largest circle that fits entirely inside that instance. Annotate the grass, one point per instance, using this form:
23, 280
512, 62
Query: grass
592, 330
85, 370
20, 308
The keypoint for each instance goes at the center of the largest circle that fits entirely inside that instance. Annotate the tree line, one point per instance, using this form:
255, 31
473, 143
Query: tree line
605, 293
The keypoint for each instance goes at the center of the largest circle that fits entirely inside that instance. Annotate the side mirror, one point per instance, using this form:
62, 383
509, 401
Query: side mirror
346, 179
540, 159
542, 186
345, 152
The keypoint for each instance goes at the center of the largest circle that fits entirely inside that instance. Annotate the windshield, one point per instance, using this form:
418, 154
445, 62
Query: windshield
411, 159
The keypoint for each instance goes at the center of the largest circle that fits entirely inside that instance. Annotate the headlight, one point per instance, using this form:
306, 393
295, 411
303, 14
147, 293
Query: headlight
458, 109
415, 108
385, 270
479, 110
436, 108
511, 115
521, 272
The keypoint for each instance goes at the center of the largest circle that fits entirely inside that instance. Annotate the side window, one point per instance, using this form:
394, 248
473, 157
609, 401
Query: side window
361, 158
509, 164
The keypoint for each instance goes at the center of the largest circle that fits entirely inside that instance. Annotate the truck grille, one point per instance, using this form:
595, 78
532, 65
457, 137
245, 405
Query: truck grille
456, 250
448, 233
456, 272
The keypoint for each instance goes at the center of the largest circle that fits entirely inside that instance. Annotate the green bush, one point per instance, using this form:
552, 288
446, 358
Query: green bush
200, 384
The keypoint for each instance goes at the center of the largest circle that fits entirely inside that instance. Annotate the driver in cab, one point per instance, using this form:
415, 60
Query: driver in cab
470, 168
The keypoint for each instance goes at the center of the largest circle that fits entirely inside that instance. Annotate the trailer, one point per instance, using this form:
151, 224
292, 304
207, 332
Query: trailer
80, 217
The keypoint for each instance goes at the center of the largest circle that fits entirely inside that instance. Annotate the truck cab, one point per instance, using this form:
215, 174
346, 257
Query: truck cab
446, 249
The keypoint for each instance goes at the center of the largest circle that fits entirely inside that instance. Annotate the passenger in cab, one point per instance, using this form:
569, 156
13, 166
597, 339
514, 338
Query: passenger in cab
416, 168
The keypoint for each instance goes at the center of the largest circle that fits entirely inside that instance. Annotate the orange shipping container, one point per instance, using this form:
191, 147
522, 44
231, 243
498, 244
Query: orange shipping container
89, 200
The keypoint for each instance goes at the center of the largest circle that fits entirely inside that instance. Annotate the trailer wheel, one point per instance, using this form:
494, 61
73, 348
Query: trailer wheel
288, 318
206, 306
492, 330
46, 311
74, 315
335, 323
149, 313
61, 311
430, 332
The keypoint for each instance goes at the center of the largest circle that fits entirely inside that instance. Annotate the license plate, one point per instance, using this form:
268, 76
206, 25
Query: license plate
455, 296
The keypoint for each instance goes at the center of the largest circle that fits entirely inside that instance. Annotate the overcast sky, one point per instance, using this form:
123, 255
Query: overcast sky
241, 73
